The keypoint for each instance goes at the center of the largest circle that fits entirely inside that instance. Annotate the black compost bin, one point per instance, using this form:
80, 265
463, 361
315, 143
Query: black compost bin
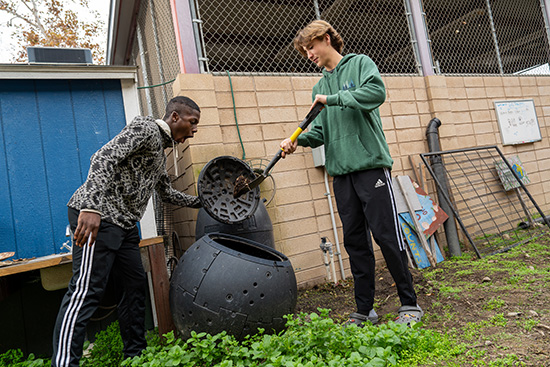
225, 282
258, 227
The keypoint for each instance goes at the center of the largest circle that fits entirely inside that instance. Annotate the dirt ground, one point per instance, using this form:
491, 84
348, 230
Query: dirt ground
518, 306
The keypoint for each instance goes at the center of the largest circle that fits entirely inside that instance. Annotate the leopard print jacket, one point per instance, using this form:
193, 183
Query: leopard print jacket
124, 173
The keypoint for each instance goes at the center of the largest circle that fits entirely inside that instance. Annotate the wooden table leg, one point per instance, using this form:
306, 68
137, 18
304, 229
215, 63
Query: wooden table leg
161, 287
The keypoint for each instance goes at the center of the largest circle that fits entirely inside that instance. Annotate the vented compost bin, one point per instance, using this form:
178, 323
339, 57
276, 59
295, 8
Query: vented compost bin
258, 227
225, 282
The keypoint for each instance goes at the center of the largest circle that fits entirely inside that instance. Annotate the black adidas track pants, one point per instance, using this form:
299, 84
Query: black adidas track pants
115, 253
366, 204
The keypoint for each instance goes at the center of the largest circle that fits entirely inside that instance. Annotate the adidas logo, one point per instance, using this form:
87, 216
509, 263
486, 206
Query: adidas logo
379, 183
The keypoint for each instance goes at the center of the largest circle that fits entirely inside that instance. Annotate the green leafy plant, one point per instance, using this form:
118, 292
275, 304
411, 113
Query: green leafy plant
11, 356
107, 348
499, 320
472, 330
314, 339
16, 358
309, 340
514, 279
528, 324
494, 304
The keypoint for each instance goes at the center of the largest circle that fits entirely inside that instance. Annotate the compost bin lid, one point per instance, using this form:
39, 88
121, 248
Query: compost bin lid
216, 185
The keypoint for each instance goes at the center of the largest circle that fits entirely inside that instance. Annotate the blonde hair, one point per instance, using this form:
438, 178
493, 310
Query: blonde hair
317, 30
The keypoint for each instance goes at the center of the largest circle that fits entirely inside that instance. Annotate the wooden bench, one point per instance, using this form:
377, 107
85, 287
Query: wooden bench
154, 248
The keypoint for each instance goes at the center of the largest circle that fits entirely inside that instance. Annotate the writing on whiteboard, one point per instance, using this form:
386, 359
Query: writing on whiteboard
517, 121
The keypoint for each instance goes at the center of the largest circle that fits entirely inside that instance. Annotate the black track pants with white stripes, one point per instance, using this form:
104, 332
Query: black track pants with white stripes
115, 253
366, 204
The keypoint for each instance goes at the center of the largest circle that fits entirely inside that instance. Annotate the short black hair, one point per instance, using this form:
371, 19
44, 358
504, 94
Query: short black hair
178, 104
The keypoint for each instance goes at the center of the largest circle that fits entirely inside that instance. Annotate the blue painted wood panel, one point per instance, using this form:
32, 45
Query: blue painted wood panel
48, 131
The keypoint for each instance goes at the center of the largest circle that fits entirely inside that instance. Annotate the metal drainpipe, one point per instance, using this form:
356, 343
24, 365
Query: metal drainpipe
334, 228
436, 162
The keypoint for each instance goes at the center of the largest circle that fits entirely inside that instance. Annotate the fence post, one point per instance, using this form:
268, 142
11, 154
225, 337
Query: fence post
317, 11
495, 40
420, 35
545, 7
157, 49
144, 73
185, 37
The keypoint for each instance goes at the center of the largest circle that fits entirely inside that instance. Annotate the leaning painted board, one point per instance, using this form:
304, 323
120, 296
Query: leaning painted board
417, 251
430, 216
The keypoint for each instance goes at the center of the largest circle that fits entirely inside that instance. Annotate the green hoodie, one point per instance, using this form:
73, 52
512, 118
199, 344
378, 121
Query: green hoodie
350, 125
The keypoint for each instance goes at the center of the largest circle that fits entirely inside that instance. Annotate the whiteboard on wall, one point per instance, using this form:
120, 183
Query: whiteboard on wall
517, 121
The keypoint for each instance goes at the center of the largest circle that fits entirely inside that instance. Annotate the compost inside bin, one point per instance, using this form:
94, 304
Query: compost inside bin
247, 248
216, 186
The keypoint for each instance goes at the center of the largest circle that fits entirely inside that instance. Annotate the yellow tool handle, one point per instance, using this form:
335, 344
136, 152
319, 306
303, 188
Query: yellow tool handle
294, 136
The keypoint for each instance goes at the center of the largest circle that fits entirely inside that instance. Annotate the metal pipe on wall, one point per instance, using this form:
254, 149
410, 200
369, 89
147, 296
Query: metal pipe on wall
326, 247
185, 36
199, 36
335, 230
436, 162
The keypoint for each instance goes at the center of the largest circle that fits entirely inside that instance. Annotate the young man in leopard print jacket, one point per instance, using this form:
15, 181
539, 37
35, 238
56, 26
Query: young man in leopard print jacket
103, 213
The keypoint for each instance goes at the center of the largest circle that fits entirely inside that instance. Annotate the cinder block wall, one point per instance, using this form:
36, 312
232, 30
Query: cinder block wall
268, 109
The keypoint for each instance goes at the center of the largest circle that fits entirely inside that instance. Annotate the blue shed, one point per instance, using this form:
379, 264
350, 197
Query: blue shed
52, 119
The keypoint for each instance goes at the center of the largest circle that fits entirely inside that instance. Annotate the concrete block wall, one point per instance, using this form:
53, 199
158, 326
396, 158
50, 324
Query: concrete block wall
269, 108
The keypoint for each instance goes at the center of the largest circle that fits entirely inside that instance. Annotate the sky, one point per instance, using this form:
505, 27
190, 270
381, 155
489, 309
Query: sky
7, 46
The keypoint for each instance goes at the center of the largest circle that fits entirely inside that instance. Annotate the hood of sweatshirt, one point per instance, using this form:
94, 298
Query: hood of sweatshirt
342, 62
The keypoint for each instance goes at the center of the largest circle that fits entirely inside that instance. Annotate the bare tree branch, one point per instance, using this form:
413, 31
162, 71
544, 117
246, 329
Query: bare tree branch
47, 23
34, 11
8, 8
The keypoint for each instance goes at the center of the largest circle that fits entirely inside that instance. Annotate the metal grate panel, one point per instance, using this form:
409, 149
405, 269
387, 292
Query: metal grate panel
492, 218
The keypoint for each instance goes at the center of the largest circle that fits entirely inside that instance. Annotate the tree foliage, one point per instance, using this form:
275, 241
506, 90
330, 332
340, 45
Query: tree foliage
54, 23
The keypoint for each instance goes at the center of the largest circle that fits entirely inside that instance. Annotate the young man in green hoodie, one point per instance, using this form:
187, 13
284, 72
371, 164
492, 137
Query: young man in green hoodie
358, 158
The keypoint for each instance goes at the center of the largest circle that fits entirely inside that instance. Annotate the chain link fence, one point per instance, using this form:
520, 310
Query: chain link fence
154, 52
255, 36
467, 37
488, 36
